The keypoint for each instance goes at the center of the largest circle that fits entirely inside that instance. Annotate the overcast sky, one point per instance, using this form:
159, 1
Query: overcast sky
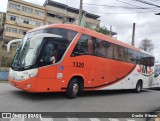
121, 18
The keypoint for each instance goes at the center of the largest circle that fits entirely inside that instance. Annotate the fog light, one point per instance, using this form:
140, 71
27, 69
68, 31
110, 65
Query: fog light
28, 86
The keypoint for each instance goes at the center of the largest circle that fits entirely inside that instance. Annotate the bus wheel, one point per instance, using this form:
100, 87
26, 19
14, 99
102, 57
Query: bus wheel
138, 88
73, 88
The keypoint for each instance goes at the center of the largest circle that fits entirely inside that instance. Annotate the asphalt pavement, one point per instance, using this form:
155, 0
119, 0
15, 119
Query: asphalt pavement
15, 100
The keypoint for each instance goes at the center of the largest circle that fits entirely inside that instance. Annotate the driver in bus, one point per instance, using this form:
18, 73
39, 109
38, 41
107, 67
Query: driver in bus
53, 60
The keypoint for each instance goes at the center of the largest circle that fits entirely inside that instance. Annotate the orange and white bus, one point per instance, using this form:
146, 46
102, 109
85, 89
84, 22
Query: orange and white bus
71, 59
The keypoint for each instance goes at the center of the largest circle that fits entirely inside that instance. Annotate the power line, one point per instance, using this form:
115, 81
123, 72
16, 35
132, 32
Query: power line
126, 13
148, 3
127, 3
118, 6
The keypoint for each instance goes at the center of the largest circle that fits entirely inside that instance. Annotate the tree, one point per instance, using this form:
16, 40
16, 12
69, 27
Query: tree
103, 30
146, 45
100, 29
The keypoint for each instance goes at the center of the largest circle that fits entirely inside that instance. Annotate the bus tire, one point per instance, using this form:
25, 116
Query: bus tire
73, 88
138, 88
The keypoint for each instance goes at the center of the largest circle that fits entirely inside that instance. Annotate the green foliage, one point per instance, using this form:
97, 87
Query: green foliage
5, 57
103, 30
100, 29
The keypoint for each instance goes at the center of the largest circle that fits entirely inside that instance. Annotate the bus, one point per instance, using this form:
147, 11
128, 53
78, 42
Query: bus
69, 58
156, 82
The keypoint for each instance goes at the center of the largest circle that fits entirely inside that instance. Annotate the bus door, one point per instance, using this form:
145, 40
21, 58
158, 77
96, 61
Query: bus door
83, 53
46, 60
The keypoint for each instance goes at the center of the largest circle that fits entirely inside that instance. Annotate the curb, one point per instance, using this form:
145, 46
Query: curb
155, 112
4, 81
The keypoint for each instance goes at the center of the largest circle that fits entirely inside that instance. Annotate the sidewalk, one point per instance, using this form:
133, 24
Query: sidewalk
6, 81
158, 119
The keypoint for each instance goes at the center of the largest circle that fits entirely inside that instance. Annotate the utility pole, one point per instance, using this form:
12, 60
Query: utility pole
80, 12
133, 34
110, 33
157, 13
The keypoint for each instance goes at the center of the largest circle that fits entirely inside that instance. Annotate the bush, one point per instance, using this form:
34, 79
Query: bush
5, 57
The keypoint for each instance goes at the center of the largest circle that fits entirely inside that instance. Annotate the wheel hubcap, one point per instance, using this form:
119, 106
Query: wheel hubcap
75, 89
139, 87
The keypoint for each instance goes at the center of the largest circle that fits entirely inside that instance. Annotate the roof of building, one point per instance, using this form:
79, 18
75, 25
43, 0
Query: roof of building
68, 8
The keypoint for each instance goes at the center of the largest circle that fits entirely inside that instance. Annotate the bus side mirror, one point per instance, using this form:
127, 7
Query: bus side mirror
12, 41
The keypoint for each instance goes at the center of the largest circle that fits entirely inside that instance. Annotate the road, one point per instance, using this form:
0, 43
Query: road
15, 100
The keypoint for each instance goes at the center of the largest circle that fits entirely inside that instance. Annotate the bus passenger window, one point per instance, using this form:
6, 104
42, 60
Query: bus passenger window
90, 50
109, 48
100, 48
116, 52
132, 56
122, 54
104, 49
85, 46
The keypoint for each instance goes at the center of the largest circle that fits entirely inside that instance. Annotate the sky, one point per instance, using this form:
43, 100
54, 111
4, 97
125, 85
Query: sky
121, 18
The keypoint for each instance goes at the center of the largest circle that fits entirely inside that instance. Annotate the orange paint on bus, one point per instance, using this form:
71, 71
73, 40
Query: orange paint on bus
97, 72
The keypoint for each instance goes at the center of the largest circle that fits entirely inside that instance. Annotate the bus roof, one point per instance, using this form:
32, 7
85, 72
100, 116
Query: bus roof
88, 32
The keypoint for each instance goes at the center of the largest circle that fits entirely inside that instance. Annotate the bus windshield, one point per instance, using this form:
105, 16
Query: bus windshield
43, 48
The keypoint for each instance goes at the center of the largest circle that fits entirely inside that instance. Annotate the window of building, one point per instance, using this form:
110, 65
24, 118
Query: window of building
26, 21
12, 17
21, 31
11, 29
14, 6
59, 16
40, 13
37, 23
85, 46
51, 15
50, 23
26, 9
71, 20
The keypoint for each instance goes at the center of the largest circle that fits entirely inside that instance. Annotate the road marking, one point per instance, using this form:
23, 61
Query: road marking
46, 119
94, 119
130, 120
113, 119
73, 119
17, 119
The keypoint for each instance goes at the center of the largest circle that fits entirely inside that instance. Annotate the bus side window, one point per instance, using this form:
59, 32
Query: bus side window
122, 54
116, 53
90, 50
104, 49
132, 56
47, 53
100, 48
85, 46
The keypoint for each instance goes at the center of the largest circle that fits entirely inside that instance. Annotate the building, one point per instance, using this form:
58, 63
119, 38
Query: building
22, 16
61, 13
2, 17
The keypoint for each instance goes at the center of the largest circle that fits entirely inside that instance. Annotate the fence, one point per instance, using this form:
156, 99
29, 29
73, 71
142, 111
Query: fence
3, 75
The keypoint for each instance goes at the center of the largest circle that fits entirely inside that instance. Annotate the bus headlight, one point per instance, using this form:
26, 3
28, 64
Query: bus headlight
23, 75
30, 73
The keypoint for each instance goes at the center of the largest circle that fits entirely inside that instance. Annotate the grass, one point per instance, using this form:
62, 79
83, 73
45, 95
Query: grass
4, 68
4, 81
